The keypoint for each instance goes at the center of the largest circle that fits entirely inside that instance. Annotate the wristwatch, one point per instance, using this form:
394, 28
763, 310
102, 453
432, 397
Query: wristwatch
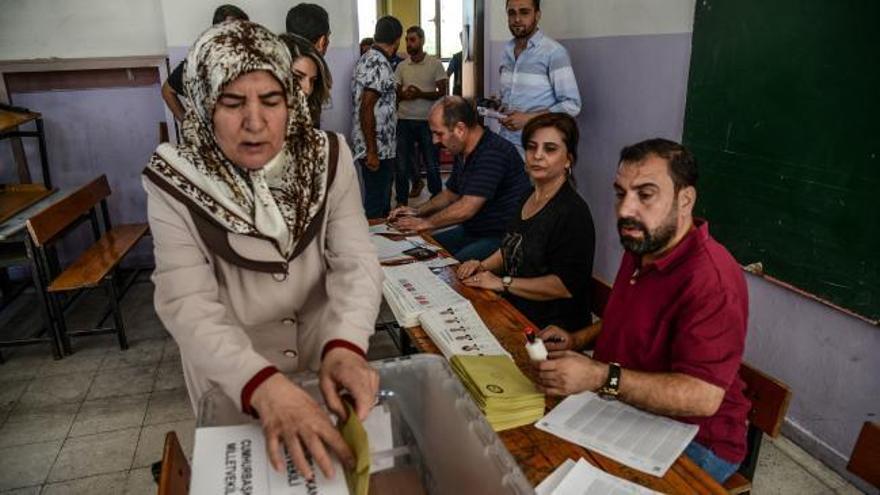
506, 281
611, 389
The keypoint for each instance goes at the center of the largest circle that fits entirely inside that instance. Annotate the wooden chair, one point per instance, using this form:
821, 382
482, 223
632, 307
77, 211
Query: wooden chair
95, 267
175, 474
865, 459
770, 399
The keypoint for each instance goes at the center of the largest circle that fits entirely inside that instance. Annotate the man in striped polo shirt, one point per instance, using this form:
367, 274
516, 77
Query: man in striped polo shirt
487, 186
536, 73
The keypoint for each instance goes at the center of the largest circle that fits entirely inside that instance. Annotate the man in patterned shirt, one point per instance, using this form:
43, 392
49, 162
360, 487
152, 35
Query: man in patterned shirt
374, 108
536, 73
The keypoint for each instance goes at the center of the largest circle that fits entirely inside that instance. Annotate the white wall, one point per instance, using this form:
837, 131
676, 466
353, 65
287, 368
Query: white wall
80, 28
564, 19
184, 21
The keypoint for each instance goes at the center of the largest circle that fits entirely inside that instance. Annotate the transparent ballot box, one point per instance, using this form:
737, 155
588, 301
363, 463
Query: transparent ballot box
439, 442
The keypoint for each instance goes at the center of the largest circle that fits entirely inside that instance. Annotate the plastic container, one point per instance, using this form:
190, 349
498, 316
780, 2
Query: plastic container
438, 431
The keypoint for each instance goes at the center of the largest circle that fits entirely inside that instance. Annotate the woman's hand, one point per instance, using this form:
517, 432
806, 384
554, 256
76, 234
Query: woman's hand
468, 268
484, 280
292, 418
556, 339
345, 369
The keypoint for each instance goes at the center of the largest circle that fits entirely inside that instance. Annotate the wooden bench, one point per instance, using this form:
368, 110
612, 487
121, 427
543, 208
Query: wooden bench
865, 459
95, 267
770, 398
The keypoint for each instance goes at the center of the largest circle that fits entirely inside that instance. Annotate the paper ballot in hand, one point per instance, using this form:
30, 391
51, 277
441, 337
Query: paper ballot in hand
355, 436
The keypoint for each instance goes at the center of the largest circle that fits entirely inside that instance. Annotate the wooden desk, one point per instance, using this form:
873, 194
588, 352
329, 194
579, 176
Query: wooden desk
539, 453
16, 198
10, 119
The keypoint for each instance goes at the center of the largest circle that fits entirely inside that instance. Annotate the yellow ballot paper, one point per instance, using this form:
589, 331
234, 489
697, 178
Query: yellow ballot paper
506, 396
355, 436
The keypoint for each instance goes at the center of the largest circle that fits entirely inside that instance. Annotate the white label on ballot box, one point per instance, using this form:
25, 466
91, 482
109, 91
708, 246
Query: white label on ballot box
232, 460
641, 440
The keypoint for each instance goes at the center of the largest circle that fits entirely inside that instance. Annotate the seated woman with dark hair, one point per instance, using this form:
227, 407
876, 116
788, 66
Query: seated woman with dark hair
312, 72
545, 262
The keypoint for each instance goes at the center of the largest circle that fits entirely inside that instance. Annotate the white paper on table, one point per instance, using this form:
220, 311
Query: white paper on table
418, 241
389, 249
458, 330
233, 460
384, 228
550, 483
413, 289
440, 262
584, 479
641, 440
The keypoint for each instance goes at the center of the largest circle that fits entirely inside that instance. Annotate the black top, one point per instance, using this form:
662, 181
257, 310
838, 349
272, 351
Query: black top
175, 79
558, 240
495, 171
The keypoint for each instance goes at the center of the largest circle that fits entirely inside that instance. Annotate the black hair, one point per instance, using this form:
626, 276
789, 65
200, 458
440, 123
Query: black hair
562, 122
681, 163
416, 29
457, 109
536, 3
388, 30
301, 47
309, 21
223, 12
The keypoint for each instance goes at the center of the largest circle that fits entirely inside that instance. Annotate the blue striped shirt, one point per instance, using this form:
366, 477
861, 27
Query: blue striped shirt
540, 79
493, 170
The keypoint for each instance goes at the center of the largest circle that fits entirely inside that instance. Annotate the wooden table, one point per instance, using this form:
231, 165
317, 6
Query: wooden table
18, 197
10, 119
539, 453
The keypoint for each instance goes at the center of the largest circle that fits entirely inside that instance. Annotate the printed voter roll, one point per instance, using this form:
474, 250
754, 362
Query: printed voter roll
232, 460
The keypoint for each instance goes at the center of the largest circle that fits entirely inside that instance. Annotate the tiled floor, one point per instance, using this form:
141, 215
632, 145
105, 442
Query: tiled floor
94, 422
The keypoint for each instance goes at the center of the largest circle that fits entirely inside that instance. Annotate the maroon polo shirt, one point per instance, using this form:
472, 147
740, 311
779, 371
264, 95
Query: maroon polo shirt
686, 312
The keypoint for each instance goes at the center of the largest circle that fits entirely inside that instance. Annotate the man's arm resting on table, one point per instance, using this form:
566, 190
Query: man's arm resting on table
437, 203
670, 394
457, 212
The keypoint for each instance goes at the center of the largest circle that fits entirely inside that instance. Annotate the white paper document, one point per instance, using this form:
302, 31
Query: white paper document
582, 478
232, 460
459, 331
641, 440
384, 228
389, 250
413, 289
440, 262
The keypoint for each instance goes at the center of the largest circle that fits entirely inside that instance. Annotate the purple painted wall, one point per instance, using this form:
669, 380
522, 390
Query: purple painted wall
109, 131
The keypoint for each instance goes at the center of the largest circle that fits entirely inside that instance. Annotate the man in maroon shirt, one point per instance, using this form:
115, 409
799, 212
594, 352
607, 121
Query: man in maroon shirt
674, 329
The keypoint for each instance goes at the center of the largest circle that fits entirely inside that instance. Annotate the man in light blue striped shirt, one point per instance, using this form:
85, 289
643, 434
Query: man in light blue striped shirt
536, 73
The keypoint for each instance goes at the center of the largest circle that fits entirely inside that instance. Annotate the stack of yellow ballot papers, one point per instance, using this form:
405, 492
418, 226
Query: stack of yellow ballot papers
506, 396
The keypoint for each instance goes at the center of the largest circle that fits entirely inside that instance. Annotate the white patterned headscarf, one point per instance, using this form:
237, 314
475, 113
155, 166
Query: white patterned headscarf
241, 200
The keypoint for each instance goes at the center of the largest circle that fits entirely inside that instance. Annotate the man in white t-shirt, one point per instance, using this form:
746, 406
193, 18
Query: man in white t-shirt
421, 80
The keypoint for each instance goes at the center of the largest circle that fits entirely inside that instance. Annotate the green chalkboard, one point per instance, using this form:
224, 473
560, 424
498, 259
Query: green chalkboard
783, 115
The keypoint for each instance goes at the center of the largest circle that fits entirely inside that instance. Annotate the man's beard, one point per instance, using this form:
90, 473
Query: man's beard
525, 31
413, 51
651, 241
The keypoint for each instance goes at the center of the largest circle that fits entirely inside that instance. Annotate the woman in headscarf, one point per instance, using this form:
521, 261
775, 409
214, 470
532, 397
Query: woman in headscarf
311, 69
263, 261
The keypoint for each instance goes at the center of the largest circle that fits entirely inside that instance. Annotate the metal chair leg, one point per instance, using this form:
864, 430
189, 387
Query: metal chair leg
60, 324
43, 299
117, 313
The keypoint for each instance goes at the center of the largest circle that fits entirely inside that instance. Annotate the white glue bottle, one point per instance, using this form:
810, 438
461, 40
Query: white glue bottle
535, 346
